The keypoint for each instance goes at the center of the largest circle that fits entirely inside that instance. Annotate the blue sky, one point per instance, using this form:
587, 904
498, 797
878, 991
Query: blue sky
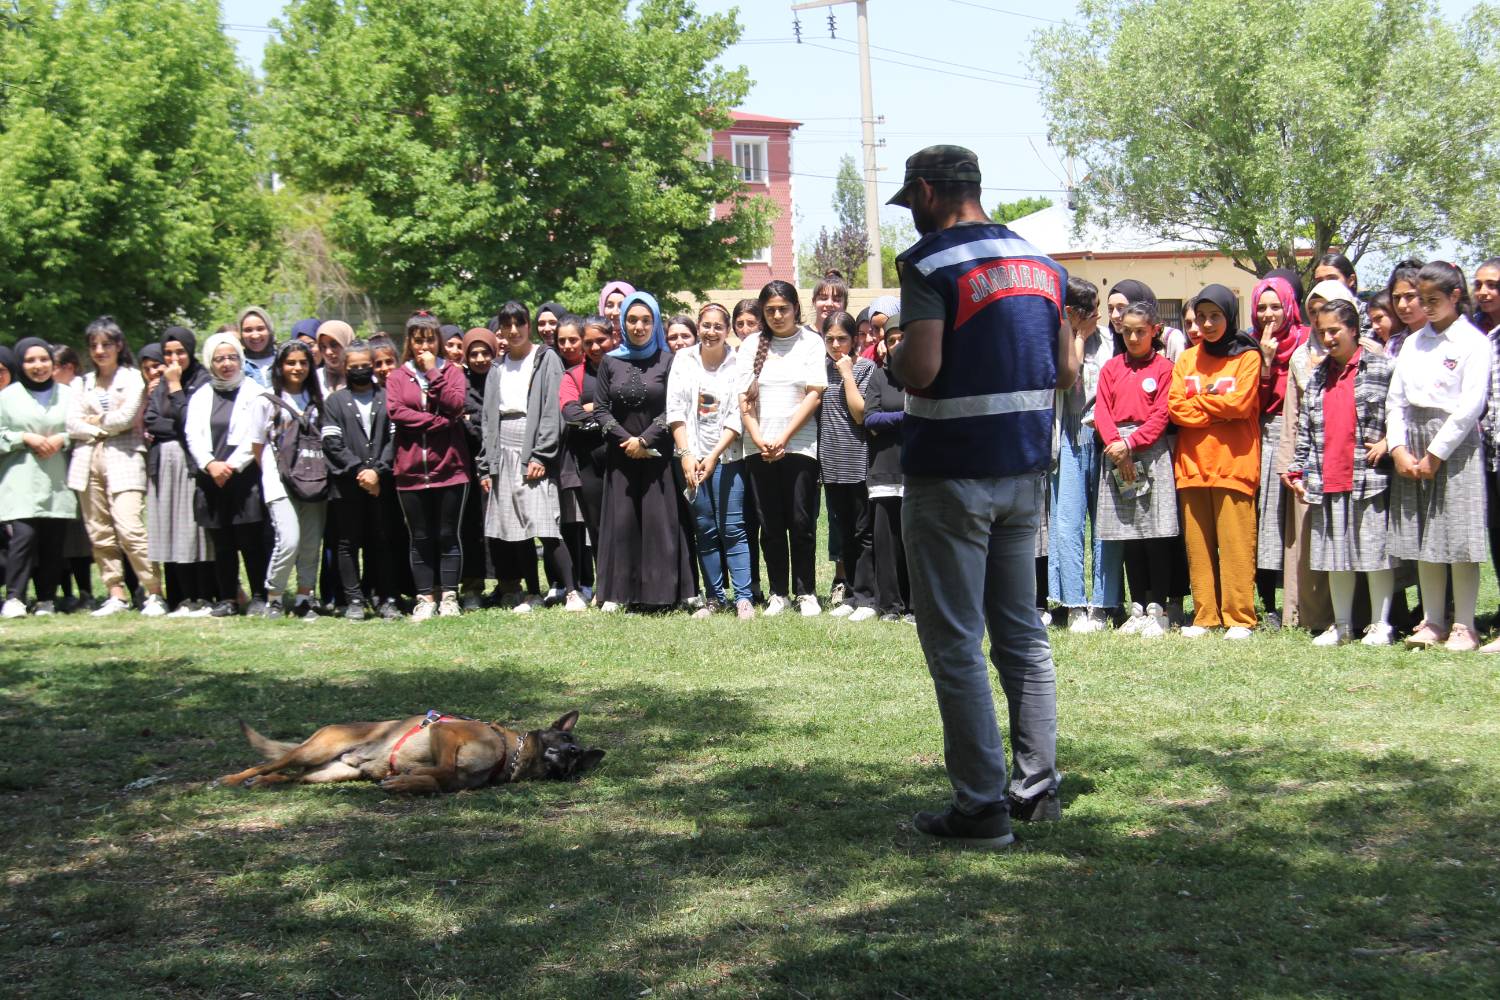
944, 71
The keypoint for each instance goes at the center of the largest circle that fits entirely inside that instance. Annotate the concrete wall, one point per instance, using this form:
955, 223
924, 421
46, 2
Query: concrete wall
1172, 278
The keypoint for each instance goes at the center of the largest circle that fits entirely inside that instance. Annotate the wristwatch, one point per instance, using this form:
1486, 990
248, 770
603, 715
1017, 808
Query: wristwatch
679, 452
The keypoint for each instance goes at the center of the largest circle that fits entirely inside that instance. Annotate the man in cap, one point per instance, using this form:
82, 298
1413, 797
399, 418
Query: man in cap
986, 344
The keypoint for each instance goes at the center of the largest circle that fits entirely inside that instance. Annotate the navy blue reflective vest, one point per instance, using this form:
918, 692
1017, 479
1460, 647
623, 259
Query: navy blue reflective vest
989, 411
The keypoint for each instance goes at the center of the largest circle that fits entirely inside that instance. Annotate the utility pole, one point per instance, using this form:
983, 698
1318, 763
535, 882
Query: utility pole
867, 120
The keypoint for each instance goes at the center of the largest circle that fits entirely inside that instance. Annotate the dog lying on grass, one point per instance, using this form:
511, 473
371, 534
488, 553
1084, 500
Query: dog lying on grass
431, 753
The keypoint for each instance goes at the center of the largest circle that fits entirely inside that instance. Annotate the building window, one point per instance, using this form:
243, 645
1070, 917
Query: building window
750, 158
761, 256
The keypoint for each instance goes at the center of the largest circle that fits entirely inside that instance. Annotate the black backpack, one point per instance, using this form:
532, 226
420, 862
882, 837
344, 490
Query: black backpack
299, 454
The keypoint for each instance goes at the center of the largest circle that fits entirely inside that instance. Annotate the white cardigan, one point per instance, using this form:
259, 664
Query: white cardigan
249, 425
683, 380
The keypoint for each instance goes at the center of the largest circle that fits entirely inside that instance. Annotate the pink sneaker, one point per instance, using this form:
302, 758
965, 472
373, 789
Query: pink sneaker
1425, 636
1461, 639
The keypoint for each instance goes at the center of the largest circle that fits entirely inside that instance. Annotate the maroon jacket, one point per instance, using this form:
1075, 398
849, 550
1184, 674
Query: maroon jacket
431, 446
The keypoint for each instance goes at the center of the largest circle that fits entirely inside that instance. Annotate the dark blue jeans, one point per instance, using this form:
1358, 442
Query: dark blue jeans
719, 510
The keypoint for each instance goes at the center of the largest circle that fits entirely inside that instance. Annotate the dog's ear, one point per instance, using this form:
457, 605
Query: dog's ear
566, 722
589, 760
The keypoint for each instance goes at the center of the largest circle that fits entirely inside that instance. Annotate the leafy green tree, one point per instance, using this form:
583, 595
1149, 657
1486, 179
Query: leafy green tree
1010, 211
491, 149
127, 182
1247, 126
849, 194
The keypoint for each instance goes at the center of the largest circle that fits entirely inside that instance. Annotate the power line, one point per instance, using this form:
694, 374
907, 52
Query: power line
933, 69
944, 62
1002, 10
831, 177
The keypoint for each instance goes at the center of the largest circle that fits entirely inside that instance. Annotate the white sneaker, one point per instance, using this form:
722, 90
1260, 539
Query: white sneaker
842, 611
836, 596
1134, 622
1238, 632
13, 609
1334, 635
775, 606
862, 615
1152, 628
1194, 631
1081, 622
1159, 614
1377, 634
201, 609
43, 608
154, 607
112, 606
1046, 617
524, 608
809, 606
609, 607
575, 602
448, 607
423, 610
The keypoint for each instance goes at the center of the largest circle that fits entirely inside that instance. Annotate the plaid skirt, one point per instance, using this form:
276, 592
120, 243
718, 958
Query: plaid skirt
172, 531
1349, 535
518, 511
1120, 518
1270, 542
1441, 520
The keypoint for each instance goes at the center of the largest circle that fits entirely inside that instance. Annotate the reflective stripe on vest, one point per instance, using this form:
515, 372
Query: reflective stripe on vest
974, 250
979, 406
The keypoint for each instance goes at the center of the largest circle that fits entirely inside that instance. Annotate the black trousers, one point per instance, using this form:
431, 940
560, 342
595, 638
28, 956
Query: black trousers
849, 520
433, 516
887, 557
1148, 564
786, 495
471, 535
236, 542
190, 582
36, 557
360, 519
519, 558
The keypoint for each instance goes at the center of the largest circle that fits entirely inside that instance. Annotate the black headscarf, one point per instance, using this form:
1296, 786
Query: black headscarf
11, 363
1134, 291
1292, 278
22, 346
1235, 341
185, 337
151, 352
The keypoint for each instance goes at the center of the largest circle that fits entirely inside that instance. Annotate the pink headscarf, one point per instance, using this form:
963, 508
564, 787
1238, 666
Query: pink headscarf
1291, 335
623, 287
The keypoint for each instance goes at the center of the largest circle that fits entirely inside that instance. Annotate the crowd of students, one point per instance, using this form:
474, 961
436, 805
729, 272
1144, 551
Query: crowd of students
1336, 451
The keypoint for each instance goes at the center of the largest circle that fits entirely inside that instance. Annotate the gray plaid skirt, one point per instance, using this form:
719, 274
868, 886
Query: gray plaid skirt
1349, 535
1270, 542
518, 511
1441, 520
172, 531
1153, 514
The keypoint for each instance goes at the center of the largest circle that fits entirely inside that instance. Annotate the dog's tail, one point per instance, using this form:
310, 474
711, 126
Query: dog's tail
269, 749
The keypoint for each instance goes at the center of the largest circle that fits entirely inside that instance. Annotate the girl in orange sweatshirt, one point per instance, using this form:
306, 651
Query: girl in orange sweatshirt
1215, 400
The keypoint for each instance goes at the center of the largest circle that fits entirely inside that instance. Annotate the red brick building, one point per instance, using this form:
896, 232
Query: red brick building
761, 148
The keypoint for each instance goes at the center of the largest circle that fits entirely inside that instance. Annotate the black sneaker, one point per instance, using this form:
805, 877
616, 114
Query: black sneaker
989, 828
256, 609
273, 609
224, 609
355, 612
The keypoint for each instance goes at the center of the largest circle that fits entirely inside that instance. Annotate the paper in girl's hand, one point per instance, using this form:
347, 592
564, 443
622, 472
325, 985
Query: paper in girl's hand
1223, 385
1192, 385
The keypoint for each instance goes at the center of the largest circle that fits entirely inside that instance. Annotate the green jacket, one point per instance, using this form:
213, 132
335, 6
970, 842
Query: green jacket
29, 486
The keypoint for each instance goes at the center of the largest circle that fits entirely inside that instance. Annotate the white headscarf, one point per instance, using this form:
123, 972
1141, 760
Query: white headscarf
1329, 290
211, 345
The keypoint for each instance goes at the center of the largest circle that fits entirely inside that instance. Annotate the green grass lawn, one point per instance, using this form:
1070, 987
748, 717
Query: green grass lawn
1254, 819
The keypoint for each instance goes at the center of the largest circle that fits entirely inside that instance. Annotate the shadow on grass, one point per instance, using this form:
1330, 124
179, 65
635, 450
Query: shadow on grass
702, 860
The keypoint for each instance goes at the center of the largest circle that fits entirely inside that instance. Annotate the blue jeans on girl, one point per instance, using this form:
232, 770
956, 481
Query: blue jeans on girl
719, 510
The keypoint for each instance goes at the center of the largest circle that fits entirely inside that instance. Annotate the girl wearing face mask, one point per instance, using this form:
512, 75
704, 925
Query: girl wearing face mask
228, 422
703, 413
299, 521
259, 344
1336, 469
35, 501
1215, 400
108, 467
1438, 393
644, 554
584, 440
174, 538
361, 450
478, 351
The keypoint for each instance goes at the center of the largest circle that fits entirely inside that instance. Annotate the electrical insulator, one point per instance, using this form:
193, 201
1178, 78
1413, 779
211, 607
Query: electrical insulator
797, 28
833, 26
